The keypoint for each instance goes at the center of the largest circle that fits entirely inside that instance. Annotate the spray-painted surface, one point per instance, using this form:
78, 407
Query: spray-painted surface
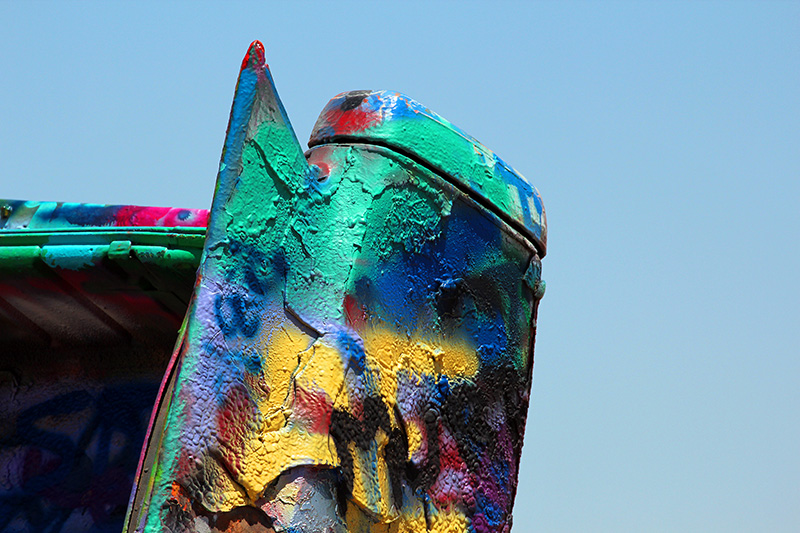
395, 121
62, 216
91, 299
357, 354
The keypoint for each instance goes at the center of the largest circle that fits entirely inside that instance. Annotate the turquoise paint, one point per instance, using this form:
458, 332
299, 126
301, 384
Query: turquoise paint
321, 273
361, 325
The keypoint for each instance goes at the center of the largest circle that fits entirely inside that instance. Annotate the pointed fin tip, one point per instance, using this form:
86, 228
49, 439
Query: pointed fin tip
255, 56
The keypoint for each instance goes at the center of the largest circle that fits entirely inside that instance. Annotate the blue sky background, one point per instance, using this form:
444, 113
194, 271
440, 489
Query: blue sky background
664, 138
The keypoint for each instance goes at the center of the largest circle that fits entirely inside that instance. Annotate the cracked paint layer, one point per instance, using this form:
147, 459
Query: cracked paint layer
357, 354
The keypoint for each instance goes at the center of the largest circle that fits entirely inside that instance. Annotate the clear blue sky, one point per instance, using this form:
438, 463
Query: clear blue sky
664, 138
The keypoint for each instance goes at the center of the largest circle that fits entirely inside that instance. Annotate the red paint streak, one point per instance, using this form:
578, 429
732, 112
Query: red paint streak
185, 465
324, 169
355, 314
232, 425
132, 215
255, 52
449, 458
354, 120
314, 409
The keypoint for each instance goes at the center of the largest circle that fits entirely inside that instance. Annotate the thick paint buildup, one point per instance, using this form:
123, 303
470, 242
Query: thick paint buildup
358, 351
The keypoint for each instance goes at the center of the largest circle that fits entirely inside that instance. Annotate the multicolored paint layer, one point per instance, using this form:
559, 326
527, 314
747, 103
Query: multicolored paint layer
397, 122
91, 300
55, 216
357, 354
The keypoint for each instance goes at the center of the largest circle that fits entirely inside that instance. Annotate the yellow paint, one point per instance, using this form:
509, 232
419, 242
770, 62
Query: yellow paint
295, 362
447, 522
389, 353
410, 520
278, 451
322, 370
280, 350
282, 441
226, 494
371, 484
414, 434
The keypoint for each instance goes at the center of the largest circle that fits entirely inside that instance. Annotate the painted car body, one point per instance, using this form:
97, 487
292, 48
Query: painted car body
359, 339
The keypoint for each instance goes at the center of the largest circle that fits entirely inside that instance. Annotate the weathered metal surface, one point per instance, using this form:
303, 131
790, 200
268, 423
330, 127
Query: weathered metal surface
360, 337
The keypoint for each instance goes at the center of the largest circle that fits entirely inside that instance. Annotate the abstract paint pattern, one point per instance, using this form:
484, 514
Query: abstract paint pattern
358, 351
53, 216
91, 299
